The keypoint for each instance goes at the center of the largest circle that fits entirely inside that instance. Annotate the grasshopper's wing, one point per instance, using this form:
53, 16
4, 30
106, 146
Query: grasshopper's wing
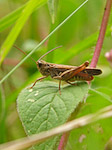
72, 72
92, 71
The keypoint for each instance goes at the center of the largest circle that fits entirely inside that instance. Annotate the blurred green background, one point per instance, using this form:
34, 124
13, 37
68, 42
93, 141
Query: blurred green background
78, 37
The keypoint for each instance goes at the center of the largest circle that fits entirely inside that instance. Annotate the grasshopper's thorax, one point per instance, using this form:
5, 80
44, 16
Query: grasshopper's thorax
43, 67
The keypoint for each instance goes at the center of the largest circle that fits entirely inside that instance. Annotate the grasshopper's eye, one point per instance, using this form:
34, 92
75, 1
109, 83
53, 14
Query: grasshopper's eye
39, 64
47, 65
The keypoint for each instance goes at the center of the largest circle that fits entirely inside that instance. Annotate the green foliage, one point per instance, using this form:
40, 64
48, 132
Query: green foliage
96, 135
8, 20
43, 108
5, 50
102, 94
28, 10
78, 37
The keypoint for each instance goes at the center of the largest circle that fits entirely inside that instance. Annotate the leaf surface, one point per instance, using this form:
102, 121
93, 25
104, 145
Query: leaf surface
43, 108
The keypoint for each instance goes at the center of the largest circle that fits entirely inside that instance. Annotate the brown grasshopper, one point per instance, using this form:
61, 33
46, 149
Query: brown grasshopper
65, 73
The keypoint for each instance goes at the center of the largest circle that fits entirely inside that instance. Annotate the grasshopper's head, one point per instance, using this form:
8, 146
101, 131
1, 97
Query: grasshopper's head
43, 67
40, 64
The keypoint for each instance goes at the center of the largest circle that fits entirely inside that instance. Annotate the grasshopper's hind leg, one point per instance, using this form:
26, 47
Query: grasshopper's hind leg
71, 83
60, 87
59, 78
38, 80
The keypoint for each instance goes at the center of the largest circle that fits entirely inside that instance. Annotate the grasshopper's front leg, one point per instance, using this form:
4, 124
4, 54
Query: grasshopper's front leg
38, 80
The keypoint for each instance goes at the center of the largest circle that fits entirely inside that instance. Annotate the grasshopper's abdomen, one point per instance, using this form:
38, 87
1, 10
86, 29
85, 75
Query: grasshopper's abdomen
81, 77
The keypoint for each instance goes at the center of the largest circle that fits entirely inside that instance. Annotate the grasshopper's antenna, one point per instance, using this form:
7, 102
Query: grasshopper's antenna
24, 52
48, 52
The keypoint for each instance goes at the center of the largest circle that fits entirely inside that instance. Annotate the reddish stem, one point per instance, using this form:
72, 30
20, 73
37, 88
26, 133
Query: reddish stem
65, 136
63, 141
95, 58
101, 34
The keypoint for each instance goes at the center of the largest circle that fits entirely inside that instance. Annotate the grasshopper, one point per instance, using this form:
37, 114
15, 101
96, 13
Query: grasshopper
65, 73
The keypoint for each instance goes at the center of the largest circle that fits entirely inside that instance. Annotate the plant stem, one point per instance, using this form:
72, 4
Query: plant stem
65, 136
101, 34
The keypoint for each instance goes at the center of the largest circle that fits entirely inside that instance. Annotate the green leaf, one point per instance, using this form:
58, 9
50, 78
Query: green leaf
52, 4
43, 108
